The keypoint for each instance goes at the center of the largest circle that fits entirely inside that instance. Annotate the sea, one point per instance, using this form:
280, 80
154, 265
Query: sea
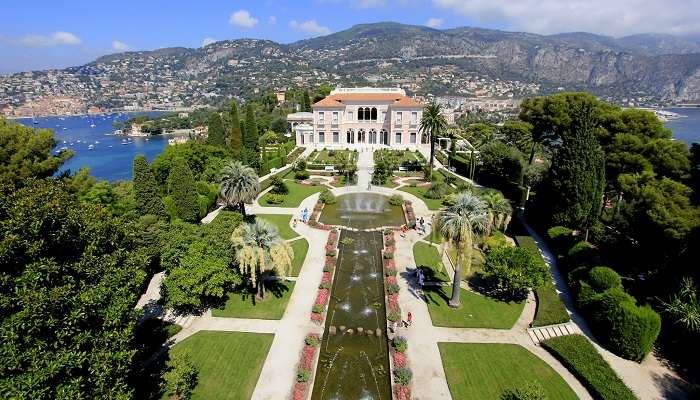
111, 156
108, 156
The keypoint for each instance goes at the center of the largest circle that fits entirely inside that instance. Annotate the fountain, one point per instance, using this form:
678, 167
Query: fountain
362, 211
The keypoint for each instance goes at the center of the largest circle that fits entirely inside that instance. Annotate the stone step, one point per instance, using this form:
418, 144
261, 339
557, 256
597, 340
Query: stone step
541, 333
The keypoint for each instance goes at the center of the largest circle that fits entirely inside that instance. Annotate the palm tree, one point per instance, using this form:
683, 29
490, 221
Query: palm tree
498, 209
432, 123
239, 184
458, 224
260, 250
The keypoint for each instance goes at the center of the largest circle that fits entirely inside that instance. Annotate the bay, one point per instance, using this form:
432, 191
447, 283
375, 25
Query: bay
111, 156
686, 128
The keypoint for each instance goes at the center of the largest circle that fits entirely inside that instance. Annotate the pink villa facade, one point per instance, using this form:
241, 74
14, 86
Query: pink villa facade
358, 117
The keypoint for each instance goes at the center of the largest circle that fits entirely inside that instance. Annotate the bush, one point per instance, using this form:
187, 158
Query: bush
303, 375
393, 316
317, 308
582, 359
181, 377
603, 278
581, 253
531, 391
278, 185
273, 198
437, 190
392, 288
550, 308
301, 175
516, 269
399, 344
396, 200
402, 376
560, 237
312, 340
327, 197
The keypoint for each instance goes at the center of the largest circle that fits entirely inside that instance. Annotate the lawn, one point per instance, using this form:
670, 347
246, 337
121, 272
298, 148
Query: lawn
433, 204
243, 304
550, 308
434, 236
228, 363
477, 262
281, 221
297, 193
300, 247
428, 258
328, 156
485, 370
477, 311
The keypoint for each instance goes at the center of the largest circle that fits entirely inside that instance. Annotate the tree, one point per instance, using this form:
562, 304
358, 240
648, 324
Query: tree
432, 123
184, 192
26, 153
215, 135
239, 185
515, 269
500, 164
70, 279
575, 184
499, 211
305, 102
458, 224
235, 138
259, 251
148, 200
684, 306
518, 134
250, 140
205, 161
181, 377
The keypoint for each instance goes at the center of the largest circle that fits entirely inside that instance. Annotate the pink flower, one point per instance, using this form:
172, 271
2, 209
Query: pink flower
318, 318
390, 264
399, 360
307, 357
299, 391
391, 280
322, 296
402, 392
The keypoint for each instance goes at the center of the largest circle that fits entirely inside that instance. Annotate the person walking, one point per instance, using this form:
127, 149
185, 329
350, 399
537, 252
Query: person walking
409, 319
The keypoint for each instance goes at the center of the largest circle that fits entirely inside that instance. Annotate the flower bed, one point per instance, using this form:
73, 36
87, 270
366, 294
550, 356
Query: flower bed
401, 373
318, 310
306, 366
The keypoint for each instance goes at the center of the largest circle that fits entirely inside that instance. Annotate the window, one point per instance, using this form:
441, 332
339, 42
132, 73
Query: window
398, 138
336, 137
399, 118
414, 117
321, 137
413, 138
360, 114
321, 118
383, 116
374, 114
366, 112
350, 116
335, 118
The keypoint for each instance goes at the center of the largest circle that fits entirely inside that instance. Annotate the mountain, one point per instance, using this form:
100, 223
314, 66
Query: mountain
461, 61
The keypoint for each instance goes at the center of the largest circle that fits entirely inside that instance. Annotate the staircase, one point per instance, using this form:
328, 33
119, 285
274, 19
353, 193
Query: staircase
547, 332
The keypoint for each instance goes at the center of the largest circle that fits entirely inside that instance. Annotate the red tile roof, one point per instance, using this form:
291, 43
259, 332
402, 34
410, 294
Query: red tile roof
339, 99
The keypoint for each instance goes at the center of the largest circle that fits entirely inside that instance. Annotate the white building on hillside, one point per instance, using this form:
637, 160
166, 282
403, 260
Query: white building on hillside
355, 117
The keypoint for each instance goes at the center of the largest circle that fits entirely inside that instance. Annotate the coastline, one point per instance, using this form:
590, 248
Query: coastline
184, 109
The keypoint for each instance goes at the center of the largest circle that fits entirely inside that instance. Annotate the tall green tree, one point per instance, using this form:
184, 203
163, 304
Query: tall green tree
235, 137
250, 141
305, 101
577, 176
26, 153
215, 135
432, 123
239, 184
458, 224
148, 201
184, 191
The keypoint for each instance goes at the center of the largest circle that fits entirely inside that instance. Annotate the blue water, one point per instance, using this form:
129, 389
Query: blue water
109, 159
686, 128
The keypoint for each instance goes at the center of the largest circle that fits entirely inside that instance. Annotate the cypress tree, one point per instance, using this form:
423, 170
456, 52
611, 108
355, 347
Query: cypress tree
216, 130
145, 189
251, 130
183, 191
235, 138
577, 176
305, 101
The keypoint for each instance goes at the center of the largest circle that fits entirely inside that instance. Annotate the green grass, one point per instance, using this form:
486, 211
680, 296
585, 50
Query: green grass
477, 262
281, 221
580, 357
297, 193
485, 370
550, 308
300, 247
324, 157
433, 204
434, 236
229, 363
428, 258
390, 183
477, 311
243, 304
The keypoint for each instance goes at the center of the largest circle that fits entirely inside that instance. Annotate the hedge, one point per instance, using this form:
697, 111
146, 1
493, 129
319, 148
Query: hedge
291, 157
582, 359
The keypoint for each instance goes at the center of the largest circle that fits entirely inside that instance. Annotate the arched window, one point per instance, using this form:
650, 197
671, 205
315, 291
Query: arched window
350, 136
374, 114
367, 116
360, 114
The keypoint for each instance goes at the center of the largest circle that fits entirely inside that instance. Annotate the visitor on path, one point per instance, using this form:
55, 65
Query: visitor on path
294, 225
369, 185
409, 319
403, 231
421, 280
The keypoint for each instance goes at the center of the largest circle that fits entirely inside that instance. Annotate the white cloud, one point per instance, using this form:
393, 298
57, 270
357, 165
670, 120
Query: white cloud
243, 19
434, 22
207, 41
272, 20
54, 39
120, 46
364, 4
310, 26
617, 18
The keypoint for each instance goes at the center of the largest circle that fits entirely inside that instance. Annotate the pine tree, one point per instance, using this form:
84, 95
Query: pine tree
183, 191
216, 130
145, 189
305, 101
577, 176
235, 137
251, 130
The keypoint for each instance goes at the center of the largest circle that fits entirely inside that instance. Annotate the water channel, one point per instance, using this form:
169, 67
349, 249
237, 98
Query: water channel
354, 358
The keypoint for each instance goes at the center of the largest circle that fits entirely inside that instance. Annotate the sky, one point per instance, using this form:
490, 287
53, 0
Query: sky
41, 34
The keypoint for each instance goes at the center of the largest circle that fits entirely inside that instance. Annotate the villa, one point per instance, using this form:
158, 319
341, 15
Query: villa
354, 117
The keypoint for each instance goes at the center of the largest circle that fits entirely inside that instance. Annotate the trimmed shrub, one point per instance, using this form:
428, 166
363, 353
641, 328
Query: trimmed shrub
530, 391
392, 288
317, 308
560, 237
581, 253
312, 339
402, 376
437, 190
278, 185
273, 198
327, 197
393, 316
303, 375
603, 278
399, 344
396, 200
582, 359
634, 330
301, 175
